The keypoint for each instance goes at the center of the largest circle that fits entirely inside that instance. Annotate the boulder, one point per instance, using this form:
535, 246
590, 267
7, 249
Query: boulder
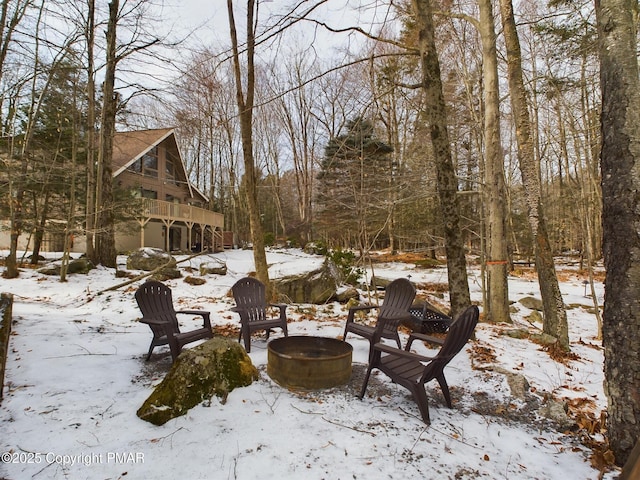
80, 265
344, 294
167, 273
531, 303
318, 286
214, 367
149, 259
379, 282
519, 333
213, 268
194, 280
77, 265
543, 339
556, 411
518, 385
535, 317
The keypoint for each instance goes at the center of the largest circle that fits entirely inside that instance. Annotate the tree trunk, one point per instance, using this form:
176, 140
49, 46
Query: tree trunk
40, 226
245, 107
90, 219
497, 309
620, 167
16, 202
16, 185
434, 114
105, 235
555, 316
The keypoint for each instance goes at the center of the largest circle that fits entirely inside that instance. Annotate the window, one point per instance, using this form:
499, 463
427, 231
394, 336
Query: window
149, 194
169, 171
147, 165
150, 163
136, 166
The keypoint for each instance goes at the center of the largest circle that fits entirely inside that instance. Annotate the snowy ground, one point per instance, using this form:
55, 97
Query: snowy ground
76, 376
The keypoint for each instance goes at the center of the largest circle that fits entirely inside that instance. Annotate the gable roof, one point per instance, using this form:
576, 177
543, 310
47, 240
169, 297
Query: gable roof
130, 146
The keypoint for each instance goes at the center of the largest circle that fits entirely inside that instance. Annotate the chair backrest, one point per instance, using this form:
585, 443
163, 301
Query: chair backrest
398, 297
459, 334
250, 296
155, 301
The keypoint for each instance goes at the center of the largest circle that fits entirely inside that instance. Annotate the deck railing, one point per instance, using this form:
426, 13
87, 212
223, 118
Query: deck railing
180, 212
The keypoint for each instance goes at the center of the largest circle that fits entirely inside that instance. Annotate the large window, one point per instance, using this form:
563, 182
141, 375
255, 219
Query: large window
147, 165
152, 194
170, 169
150, 163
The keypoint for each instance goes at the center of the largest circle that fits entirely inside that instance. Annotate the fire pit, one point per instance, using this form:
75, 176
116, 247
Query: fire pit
309, 363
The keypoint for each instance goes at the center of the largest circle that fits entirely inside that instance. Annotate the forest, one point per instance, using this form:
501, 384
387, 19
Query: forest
453, 128
361, 105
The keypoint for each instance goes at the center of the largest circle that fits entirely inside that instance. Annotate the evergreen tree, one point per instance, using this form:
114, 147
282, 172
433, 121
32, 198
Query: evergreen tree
356, 172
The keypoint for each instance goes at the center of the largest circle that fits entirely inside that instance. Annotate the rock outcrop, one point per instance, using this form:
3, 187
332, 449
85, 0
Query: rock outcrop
150, 259
318, 286
214, 367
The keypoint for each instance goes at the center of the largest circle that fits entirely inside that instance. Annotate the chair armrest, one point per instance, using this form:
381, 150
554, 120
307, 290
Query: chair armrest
358, 308
206, 316
401, 353
152, 321
424, 338
194, 312
283, 310
281, 306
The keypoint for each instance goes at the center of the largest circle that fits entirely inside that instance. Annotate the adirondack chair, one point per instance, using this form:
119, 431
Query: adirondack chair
156, 304
398, 298
251, 305
413, 371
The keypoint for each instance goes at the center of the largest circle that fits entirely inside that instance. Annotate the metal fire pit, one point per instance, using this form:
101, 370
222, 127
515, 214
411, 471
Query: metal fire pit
309, 363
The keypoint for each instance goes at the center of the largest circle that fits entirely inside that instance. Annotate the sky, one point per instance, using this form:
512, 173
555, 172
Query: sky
210, 22
76, 375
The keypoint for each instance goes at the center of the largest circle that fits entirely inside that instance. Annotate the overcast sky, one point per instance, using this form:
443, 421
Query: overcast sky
210, 21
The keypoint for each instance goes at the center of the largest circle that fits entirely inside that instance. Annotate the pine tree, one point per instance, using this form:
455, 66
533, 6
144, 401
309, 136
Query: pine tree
356, 172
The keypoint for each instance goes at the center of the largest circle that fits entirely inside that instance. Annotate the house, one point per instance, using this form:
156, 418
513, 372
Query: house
167, 211
173, 216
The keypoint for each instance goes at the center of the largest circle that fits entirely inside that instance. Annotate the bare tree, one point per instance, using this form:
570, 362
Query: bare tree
92, 150
495, 192
11, 15
105, 247
555, 316
620, 163
139, 40
23, 153
245, 92
434, 114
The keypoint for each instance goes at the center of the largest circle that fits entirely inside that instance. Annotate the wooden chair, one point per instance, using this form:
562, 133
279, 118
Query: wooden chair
251, 304
413, 371
398, 298
156, 304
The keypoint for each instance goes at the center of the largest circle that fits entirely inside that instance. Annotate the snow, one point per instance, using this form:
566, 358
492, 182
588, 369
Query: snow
76, 375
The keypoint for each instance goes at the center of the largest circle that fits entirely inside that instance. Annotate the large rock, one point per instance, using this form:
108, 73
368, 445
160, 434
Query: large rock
556, 411
532, 303
317, 286
149, 259
78, 265
214, 367
213, 267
